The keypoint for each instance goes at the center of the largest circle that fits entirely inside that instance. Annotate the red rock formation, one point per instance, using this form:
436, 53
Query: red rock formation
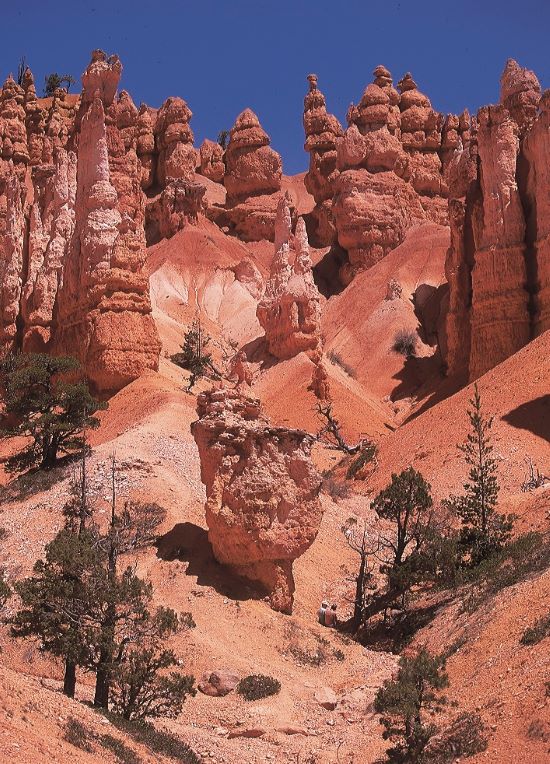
322, 132
212, 164
262, 506
290, 309
537, 153
497, 263
181, 202
174, 141
51, 227
145, 147
252, 179
11, 258
520, 94
104, 312
71, 253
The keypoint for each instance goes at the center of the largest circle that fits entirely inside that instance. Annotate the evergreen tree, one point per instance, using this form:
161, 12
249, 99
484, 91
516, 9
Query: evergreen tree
54, 81
56, 600
139, 690
41, 405
484, 530
194, 356
405, 505
404, 701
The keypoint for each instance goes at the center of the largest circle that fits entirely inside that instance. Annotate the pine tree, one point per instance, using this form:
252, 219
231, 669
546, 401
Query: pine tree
484, 530
404, 504
54, 81
193, 356
42, 406
55, 601
404, 701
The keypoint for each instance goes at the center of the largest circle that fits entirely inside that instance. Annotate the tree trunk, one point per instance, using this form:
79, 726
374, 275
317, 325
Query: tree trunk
102, 685
359, 595
69, 680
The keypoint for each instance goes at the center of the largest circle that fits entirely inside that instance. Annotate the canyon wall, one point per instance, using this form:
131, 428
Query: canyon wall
498, 265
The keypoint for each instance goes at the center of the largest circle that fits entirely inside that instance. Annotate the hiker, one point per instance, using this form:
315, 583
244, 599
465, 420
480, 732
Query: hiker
331, 619
321, 613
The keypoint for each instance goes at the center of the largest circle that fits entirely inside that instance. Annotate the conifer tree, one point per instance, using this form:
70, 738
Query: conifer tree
484, 530
404, 702
194, 356
41, 405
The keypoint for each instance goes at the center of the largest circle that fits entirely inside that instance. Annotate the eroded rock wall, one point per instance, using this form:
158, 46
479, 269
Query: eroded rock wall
498, 263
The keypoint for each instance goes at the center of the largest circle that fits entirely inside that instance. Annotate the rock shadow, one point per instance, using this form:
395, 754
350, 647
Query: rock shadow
257, 352
533, 416
189, 543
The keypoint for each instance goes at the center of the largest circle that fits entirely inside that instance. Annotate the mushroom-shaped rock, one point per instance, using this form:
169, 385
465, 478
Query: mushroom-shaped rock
252, 167
262, 505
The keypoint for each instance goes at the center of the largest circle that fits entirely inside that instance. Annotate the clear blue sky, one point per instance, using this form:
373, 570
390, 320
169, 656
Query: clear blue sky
224, 56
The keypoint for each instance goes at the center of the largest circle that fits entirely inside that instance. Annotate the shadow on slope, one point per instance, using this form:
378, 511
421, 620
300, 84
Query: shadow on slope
533, 416
189, 543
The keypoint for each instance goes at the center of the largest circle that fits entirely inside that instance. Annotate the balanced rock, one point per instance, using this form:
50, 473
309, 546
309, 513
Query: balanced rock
290, 309
262, 506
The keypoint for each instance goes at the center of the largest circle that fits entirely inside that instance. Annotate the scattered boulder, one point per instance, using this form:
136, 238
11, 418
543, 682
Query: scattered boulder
218, 683
326, 698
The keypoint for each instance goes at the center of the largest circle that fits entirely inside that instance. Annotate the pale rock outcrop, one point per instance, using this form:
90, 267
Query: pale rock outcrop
262, 507
322, 131
12, 227
290, 309
253, 172
51, 227
101, 76
212, 164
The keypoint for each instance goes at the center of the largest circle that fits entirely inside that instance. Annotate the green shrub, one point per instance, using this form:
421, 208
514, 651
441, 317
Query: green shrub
308, 657
537, 632
258, 686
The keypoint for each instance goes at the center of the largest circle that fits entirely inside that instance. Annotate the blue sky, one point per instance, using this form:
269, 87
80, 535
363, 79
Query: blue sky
224, 56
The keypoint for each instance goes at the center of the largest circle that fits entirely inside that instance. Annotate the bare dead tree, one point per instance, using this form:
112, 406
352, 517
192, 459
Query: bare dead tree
367, 547
535, 477
331, 431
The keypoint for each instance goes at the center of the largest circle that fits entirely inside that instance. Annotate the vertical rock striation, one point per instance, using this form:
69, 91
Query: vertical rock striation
497, 265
